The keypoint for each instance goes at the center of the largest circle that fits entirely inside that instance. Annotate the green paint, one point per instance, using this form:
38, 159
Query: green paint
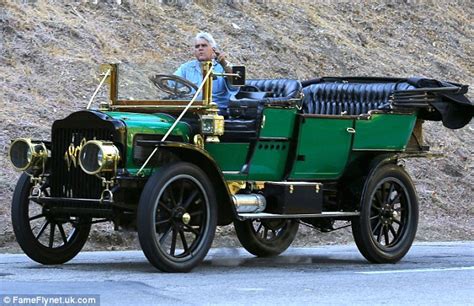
269, 160
278, 122
323, 144
229, 156
153, 124
384, 132
323, 148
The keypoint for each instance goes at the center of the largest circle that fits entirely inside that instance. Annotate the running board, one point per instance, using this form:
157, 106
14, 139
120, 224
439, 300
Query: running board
329, 214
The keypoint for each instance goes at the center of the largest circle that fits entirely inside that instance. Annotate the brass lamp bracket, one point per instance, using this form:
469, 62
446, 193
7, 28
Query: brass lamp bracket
36, 190
107, 193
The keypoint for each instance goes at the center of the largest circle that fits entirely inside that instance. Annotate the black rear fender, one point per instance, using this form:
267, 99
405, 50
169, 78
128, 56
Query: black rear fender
353, 185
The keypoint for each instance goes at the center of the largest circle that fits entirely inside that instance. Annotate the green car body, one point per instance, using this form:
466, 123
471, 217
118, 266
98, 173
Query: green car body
324, 145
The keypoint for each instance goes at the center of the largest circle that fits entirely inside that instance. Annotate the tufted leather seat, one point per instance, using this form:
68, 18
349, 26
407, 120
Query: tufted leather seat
279, 88
352, 98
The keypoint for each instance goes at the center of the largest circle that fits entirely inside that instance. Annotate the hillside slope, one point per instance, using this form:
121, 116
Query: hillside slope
49, 54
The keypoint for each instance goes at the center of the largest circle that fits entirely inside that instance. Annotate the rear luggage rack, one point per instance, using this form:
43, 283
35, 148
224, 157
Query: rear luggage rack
422, 97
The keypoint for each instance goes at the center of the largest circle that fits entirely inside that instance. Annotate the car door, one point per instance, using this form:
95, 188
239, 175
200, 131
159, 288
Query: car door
322, 147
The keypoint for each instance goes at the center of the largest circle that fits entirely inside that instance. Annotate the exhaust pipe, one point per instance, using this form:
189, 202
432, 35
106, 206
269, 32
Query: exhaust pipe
249, 203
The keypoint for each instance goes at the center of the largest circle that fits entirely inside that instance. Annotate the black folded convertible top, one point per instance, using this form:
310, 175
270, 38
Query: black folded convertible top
446, 98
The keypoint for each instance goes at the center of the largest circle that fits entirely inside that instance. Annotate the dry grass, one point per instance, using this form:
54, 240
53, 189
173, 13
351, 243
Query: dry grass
49, 53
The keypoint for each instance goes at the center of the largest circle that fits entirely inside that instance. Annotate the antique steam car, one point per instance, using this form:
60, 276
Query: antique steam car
284, 152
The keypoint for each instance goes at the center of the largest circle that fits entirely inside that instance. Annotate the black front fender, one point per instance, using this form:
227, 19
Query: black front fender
201, 158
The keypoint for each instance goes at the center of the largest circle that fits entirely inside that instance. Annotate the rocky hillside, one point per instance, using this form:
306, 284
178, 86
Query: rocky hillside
50, 52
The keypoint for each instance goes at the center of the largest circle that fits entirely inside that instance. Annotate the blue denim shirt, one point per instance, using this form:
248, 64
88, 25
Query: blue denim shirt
221, 91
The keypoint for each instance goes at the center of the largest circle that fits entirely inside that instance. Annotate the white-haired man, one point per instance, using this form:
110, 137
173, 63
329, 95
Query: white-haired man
205, 49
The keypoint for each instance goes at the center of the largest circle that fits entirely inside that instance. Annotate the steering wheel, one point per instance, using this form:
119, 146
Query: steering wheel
176, 86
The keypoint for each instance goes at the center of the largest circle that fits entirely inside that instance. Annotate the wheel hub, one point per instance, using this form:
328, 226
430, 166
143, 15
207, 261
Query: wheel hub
387, 214
179, 214
186, 218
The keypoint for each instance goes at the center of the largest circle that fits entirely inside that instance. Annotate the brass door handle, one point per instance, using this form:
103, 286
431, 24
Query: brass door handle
350, 130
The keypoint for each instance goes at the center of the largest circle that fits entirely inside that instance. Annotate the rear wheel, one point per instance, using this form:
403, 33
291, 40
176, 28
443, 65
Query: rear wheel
45, 238
388, 220
177, 217
266, 237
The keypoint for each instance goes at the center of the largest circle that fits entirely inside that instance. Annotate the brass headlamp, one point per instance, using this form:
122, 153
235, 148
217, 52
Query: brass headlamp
99, 156
25, 154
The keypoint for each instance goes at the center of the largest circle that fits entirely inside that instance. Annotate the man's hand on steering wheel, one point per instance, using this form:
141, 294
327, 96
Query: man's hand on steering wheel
174, 85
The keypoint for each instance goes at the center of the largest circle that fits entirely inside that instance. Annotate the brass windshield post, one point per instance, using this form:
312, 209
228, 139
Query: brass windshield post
212, 124
110, 73
113, 93
207, 89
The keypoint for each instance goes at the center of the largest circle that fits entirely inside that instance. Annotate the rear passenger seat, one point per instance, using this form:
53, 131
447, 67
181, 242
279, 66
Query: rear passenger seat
348, 98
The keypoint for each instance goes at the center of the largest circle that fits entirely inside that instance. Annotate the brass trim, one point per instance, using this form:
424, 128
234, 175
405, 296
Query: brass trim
214, 121
198, 141
161, 102
186, 218
71, 156
110, 157
207, 88
235, 186
36, 157
112, 80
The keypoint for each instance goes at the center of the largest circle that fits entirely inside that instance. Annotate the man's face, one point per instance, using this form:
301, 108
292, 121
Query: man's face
203, 50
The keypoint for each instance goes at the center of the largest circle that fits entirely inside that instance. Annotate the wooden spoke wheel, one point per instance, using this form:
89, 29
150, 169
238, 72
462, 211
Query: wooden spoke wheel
265, 238
44, 237
389, 216
177, 217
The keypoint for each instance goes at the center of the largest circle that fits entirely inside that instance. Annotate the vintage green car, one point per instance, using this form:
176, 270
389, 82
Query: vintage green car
282, 153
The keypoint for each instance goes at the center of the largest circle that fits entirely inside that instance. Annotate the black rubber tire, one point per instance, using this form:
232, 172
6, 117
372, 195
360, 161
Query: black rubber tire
149, 212
284, 232
26, 238
385, 231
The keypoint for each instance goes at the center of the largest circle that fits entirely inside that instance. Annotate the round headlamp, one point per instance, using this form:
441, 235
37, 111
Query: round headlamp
25, 154
98, 156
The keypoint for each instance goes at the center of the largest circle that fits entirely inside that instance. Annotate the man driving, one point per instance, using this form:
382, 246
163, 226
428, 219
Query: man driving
205, 49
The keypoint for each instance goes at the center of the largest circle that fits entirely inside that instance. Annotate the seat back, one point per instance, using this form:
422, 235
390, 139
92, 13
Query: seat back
280, 88
348, 98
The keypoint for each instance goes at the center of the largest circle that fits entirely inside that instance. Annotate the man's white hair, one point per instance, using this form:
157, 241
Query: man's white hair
207, 37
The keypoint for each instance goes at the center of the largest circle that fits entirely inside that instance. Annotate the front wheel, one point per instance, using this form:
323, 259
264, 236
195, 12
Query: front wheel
266, 237
177, 217
388, 220
44, 237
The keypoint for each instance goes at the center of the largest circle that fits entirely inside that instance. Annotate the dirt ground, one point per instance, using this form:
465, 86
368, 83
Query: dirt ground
50, 52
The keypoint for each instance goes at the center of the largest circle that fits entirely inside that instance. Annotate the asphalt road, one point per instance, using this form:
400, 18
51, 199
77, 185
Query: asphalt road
431, 274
